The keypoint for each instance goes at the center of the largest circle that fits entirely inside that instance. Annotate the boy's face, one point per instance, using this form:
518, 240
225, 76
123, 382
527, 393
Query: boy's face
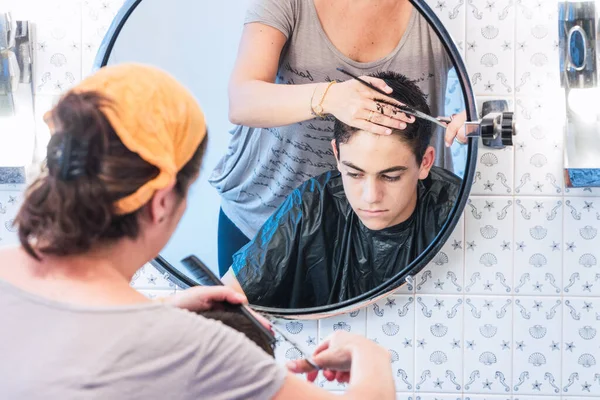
380, 176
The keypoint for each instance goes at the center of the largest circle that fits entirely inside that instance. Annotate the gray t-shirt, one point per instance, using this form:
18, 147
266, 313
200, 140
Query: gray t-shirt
263, 166
52, 350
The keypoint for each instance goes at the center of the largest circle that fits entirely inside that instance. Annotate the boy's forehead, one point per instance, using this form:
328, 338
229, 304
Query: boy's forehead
365, 141
373, 153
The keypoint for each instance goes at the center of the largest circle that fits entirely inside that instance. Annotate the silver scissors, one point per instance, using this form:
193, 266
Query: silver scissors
307, 357
440, 121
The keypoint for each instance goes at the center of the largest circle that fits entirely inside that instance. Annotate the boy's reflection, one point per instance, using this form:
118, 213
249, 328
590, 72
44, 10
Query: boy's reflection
345, 232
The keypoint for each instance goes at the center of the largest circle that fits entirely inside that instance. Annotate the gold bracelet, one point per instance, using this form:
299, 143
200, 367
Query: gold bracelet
312, 110
319, 108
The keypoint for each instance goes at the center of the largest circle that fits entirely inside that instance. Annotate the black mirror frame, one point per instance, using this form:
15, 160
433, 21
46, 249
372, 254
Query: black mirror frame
182, 280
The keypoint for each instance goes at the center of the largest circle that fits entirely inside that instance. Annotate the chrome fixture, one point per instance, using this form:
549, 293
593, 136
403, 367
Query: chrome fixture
578, 52
17, 126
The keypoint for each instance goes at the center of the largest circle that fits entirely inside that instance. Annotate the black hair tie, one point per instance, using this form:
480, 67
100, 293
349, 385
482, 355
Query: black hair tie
67, 157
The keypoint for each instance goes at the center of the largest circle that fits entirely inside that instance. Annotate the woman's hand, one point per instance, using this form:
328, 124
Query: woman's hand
456, 129
335, 355
203, 298
359, 106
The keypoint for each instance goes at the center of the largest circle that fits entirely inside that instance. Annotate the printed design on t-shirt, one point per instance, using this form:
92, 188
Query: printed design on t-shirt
302, 150
302, 74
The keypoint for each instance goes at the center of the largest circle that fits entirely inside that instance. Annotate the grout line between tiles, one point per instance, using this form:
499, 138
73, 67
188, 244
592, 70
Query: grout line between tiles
414, 348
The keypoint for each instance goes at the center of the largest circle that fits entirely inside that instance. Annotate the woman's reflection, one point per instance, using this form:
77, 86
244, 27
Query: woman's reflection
282, 99
345, 232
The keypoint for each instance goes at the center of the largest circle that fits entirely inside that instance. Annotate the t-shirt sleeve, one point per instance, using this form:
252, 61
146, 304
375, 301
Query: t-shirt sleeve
230, 366
279, 14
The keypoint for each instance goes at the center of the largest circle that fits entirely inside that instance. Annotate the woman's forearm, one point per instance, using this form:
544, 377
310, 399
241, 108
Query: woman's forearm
262, 104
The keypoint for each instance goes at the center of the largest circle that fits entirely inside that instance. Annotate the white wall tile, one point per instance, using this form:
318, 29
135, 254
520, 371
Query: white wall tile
432, 396
490, 44
495, 172
487, 344
58, 45
391, 323
581, 275
354, 322
452, 13
580, 356
10, 201
537, 343
97, 16
438, 347
303, 333
445, 273
149, 278
538, 245
489, 245
539, 145
536, 58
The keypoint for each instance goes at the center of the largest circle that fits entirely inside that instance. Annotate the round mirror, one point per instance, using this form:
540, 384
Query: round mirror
322, 226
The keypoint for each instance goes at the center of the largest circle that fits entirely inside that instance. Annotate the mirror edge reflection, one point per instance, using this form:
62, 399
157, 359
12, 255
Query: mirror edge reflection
432, 249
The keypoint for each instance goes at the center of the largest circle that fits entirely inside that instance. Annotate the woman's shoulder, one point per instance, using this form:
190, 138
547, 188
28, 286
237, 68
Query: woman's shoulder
204, 334
223, 359
202, 357
183, 325
280, 14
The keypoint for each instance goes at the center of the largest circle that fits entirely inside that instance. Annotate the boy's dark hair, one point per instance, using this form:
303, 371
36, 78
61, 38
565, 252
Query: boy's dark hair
416, 135
240, 323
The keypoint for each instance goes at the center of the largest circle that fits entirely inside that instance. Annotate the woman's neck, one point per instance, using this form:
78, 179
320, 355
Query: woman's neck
364, 30
96, 278
111, 261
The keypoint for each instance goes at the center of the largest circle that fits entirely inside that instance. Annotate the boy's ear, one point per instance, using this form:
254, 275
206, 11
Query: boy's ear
334, 148
335, 153
427, 162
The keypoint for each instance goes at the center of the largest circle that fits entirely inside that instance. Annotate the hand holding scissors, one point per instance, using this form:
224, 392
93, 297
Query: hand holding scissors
208, 278
448, 123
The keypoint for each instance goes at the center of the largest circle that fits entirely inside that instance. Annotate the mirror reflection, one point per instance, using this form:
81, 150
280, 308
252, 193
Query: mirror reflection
325, 187
348, 230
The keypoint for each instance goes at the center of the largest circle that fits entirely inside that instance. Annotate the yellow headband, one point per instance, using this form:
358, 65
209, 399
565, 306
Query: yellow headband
154, 116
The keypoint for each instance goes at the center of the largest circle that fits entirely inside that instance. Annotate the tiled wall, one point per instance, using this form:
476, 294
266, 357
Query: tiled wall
510, 308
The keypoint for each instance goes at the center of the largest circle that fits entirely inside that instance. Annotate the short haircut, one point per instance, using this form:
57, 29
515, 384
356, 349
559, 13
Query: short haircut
417, 135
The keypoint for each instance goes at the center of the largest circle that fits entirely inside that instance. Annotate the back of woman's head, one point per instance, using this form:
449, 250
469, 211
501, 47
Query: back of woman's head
71, 206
